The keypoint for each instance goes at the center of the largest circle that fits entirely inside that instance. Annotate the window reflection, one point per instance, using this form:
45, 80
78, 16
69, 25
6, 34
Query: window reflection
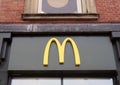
87, 81
36, 81
66, 81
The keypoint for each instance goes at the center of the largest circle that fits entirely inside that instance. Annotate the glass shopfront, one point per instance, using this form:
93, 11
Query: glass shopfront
62, 81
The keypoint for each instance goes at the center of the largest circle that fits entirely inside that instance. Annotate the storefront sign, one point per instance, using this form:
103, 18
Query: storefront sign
61, 53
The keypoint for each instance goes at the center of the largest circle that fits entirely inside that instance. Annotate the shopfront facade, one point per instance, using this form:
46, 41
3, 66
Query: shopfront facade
59, 42
59, 56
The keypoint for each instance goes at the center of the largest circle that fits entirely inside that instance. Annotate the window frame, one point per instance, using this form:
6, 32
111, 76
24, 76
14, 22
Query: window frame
31, 13
63, 74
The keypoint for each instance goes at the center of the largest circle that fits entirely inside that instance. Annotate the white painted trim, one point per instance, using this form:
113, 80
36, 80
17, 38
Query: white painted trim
79, 6
40, 6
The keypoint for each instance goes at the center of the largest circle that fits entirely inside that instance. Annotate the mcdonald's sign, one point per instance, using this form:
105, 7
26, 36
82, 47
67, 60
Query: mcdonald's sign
61, 50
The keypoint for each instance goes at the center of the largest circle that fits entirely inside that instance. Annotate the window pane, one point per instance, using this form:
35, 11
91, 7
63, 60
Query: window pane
60, 6
86, 81
36, 81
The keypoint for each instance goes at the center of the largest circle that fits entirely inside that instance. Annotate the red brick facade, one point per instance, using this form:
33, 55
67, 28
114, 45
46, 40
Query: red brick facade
11, 10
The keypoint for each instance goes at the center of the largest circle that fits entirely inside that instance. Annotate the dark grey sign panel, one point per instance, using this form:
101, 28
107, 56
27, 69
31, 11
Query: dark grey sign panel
96, 53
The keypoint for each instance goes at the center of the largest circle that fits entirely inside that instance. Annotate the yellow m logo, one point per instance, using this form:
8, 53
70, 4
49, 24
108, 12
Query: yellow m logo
61, 51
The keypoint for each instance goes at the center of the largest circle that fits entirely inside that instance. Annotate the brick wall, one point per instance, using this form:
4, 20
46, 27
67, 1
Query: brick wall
11, 10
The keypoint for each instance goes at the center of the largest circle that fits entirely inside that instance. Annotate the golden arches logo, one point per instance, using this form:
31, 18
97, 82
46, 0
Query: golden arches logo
61, 50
